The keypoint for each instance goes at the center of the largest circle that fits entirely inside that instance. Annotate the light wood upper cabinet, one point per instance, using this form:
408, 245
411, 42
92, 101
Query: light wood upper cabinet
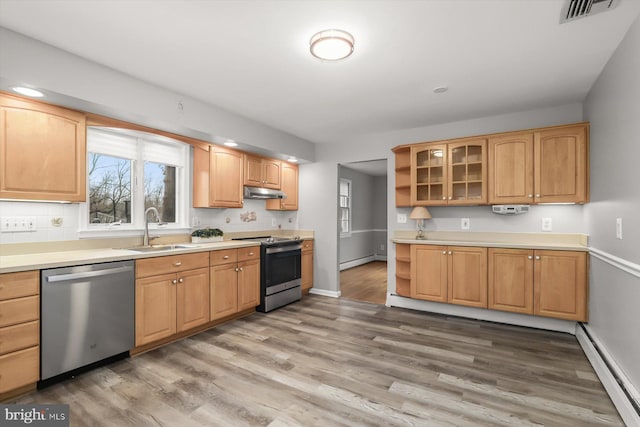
560, 284
262, 172
511, 168
217, 177
454, 173
561, 165
546, 165
289, 187
43, 151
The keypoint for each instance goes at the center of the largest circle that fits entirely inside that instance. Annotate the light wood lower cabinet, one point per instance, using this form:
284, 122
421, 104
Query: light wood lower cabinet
19, 330
175, 301
541, 282
453, 274
548, 283
307, 266
235, 281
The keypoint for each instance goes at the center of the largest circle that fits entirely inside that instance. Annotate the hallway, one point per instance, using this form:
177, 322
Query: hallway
366, 282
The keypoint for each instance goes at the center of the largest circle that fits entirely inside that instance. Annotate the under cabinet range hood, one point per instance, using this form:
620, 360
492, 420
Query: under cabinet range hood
263, 193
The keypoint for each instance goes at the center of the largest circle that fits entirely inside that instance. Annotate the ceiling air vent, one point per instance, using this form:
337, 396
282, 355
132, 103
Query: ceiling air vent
576, 9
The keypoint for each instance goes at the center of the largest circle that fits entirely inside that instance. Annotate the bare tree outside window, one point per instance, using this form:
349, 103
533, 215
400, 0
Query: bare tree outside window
109, 189
160, 189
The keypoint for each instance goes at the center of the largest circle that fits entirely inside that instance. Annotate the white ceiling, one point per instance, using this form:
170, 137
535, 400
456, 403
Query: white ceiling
252, 57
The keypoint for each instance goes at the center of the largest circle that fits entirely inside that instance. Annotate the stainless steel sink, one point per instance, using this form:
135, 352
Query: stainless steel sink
160, 248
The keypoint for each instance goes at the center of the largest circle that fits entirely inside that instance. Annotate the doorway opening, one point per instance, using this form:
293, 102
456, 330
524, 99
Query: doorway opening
362, 223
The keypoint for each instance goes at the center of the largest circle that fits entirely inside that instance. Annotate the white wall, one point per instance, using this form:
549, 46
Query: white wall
613, 108
379, 210
566, 219
79, 83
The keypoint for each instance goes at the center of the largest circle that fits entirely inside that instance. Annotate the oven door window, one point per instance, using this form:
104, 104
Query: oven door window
282, 267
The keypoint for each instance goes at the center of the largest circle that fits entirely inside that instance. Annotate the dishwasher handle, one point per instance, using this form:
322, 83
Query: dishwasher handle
88, 274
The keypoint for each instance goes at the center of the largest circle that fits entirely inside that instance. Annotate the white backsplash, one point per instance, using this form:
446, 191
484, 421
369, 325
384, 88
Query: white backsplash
56, 221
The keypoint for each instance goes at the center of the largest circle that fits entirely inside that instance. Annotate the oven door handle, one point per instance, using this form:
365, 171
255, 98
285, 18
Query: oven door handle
279, 249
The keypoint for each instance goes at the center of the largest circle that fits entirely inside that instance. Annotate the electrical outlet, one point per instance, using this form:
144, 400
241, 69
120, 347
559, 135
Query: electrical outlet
382, 247
546, 224
619, 228
402, 218
196, 221
465, 224
273, 222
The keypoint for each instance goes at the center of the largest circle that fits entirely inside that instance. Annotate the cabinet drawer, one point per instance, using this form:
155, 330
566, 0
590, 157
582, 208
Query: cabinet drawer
224, 257
22, 284
171, 264
19, 310
246, 254
20, 336
307, 245
19, 369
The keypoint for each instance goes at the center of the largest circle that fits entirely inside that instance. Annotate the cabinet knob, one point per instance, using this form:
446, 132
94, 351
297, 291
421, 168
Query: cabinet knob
237, 269
178, 264
537, 195
240, 268
250, 253
174, 281
538, 257
449, 197
225, 257
180, 280
530, 196
450, 253
530, 257
444, 198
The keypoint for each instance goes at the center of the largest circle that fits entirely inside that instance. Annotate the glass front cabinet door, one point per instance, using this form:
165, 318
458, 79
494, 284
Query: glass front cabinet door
454, 173
428, 174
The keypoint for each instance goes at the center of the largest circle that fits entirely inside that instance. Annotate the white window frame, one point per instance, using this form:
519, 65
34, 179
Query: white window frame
139, 147
348, 207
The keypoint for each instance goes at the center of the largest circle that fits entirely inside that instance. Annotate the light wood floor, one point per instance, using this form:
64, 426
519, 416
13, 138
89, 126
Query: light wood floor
366, 282
326, 361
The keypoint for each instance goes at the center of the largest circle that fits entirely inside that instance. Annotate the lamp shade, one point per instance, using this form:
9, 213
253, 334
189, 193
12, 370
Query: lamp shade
420, 212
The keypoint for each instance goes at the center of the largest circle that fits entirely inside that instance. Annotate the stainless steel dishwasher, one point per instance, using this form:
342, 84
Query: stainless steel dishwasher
87, 316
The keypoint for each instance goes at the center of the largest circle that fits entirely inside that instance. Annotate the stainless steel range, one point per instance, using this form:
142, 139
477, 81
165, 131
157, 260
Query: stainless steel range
280, 271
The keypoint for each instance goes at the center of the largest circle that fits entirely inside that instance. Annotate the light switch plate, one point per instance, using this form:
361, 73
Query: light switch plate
546, 224
619, 228
465, 224
402, 218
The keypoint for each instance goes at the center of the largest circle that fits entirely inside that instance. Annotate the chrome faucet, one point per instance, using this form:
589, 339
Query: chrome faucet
145, 239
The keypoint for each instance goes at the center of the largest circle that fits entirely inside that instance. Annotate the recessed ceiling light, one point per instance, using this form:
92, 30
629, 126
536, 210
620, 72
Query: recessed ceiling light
440, 89
292, 160
231, 143
26, 91
331, 45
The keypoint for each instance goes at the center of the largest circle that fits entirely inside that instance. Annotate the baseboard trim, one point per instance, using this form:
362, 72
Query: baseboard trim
380, 258
614, 382
357, 262
546, 323
325, 293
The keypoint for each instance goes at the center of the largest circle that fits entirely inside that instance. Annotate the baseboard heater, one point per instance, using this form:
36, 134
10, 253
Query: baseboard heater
632, 399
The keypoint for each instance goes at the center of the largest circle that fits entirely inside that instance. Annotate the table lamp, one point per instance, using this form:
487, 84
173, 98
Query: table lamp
420, 213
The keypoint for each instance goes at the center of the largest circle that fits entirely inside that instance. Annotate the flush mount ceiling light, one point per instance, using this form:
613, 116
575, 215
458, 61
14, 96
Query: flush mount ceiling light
331, 45
26, 91
292, 160
231, 143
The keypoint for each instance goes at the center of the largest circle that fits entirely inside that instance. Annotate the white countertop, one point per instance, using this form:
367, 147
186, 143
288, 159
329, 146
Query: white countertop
550, 241
43, 260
